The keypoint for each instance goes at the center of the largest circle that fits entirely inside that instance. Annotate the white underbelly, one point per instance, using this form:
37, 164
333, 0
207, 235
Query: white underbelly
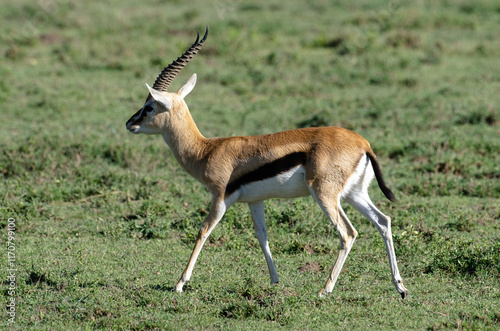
290, 184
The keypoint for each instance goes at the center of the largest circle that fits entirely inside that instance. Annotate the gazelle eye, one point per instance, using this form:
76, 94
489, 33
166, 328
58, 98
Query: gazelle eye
149, 109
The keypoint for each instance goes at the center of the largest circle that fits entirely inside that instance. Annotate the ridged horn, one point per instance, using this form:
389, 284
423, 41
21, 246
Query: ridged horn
168, 74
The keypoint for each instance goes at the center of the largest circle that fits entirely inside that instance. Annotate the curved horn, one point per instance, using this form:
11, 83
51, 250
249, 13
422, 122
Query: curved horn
168, 74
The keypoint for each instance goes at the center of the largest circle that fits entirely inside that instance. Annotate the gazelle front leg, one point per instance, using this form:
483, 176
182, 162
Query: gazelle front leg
217, 210
259, 223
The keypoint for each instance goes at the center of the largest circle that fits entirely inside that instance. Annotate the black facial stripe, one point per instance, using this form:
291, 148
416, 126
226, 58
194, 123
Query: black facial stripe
269, 170
135, 117
144, 111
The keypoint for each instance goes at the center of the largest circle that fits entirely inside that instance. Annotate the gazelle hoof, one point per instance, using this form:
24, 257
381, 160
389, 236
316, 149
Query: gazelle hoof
323, 293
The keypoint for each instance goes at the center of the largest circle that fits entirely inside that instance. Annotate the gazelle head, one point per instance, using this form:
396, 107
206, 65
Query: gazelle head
160, 104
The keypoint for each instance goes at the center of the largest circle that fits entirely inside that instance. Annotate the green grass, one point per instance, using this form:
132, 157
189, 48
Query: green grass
107, 220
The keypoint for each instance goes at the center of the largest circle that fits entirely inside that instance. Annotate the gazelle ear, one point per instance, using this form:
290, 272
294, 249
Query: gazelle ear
187, 87
159, 97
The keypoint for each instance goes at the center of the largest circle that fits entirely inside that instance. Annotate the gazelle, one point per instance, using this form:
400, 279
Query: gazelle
327, 163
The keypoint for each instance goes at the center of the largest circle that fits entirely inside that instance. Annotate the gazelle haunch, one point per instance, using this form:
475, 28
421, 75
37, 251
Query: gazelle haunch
330, 164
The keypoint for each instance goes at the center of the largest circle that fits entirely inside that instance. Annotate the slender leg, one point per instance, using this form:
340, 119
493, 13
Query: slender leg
362, 202
217, 210
333, 210
259, 223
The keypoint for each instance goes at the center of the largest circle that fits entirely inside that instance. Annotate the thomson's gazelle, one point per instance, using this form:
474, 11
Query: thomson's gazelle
327, 163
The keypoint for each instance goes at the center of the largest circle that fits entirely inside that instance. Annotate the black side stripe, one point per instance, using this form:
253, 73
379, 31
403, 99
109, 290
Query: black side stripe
268, 170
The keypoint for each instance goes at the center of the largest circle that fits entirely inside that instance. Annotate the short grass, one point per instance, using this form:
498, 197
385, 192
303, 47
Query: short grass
107, 220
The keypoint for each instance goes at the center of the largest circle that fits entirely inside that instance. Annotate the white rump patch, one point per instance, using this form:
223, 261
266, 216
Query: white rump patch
360, 179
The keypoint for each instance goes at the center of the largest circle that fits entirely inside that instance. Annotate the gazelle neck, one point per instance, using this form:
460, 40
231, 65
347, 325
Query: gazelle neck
185, 140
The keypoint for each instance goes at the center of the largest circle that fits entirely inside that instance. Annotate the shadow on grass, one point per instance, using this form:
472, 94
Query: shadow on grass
164, 288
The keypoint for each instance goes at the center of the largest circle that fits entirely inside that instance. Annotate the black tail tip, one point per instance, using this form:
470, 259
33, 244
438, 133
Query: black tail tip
389, 195
380, 179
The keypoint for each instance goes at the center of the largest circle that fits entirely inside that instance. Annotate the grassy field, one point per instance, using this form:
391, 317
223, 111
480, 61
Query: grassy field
105, 220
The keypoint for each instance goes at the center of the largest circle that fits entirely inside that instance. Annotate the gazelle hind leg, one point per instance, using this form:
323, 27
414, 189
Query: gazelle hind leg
332, 209
362, 202
259, 223
217, 210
